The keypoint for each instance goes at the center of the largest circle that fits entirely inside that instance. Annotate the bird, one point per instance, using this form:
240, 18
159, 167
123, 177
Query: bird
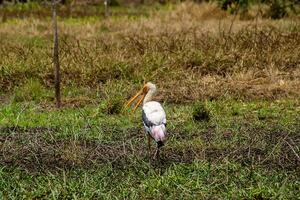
153, 116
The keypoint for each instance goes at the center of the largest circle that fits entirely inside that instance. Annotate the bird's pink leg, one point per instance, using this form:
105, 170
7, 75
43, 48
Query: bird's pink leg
156, 155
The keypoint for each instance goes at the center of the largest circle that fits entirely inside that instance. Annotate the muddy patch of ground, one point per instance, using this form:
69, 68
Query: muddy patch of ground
38, 150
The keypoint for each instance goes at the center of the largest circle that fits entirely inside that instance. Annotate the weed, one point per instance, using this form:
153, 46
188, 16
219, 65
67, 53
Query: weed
200, 112
114, 97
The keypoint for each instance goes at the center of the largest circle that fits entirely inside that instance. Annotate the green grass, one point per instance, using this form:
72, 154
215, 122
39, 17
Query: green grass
200, 180
79, 153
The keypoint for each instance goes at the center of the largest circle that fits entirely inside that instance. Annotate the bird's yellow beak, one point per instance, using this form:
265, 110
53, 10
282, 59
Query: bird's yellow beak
142, 93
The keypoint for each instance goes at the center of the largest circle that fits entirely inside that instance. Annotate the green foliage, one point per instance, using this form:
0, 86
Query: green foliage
200, 112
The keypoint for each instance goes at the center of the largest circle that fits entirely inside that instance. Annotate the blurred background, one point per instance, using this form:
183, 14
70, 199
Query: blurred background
274, 9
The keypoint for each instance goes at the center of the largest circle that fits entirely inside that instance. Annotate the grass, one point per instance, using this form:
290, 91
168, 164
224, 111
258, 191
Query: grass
231, 96
45, 153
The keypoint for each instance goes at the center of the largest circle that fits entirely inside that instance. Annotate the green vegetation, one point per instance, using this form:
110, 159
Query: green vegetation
230, 88
72, 153
200, 112
275, 9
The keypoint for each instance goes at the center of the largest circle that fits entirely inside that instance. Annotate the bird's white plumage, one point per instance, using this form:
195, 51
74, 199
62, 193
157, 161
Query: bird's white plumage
154, 119
155, 113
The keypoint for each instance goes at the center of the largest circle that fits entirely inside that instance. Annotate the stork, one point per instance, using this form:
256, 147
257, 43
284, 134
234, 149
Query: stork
153, 116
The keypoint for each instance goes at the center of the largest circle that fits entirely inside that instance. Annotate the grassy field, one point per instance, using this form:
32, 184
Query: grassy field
243, 75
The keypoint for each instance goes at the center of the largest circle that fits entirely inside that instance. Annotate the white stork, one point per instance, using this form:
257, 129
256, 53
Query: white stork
153, 115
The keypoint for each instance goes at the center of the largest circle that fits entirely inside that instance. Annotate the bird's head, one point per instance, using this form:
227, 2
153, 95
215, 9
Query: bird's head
142, 92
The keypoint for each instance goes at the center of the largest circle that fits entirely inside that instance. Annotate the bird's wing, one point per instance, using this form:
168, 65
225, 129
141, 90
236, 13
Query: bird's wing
153, 114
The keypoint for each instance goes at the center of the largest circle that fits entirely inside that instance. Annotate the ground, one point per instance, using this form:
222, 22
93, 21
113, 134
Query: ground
230, 89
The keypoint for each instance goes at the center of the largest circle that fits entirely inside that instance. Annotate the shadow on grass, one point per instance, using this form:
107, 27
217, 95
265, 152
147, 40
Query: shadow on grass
38, 150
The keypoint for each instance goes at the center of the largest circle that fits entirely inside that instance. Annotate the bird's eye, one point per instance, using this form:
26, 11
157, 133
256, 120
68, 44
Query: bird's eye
145, 89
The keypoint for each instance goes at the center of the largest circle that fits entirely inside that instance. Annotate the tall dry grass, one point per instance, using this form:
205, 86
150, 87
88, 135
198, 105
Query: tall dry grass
192, 52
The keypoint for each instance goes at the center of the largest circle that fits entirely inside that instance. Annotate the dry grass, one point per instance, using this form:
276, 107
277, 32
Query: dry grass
191, 52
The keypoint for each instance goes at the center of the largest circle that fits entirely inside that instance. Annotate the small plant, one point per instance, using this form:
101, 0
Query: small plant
278, 9
114, 97
234, 5
200, 112
113, 3
111, 106
261, 115
235, 110
264, 114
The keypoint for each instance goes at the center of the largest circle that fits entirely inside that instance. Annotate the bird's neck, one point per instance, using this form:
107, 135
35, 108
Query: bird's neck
149, 96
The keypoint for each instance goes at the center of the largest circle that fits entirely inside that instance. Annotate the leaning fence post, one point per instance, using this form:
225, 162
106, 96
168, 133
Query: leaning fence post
55, 56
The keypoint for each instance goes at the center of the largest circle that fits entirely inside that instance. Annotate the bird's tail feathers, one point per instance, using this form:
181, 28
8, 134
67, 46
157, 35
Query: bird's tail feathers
159, 133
